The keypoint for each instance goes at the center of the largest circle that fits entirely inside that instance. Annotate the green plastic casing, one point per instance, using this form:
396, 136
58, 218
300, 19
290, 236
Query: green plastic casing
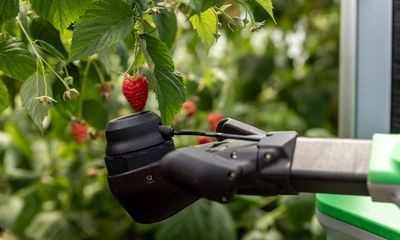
381, 219
384, 163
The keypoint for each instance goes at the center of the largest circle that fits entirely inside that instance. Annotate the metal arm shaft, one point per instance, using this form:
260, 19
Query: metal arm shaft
331, 165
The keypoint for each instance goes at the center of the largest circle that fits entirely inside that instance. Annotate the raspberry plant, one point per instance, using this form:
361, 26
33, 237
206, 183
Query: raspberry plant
275, 76
55, 49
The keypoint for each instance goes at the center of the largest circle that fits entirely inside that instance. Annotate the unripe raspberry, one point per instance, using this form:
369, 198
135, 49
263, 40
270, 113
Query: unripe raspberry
189, 108
136, 90
213, 120
79, 131
176, 120
105, 89
203, 140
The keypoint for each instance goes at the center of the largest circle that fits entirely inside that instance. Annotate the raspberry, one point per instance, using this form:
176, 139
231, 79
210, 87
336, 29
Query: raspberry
136, 90
79, 131
203, 140
105, 89
190, 108
176, 121
213, 120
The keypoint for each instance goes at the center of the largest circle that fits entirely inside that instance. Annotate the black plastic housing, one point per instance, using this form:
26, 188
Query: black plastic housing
134, 148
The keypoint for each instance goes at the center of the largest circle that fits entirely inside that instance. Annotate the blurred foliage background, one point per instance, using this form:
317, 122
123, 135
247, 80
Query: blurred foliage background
283, 77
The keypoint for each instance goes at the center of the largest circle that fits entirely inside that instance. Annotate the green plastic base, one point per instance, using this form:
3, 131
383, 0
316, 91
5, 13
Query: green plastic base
382, 219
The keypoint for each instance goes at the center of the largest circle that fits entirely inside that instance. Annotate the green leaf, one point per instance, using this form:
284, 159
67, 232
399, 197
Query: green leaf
95, 113
223, 226
48, 37
170, 92
10, 208
4, 98
209, 3
34, 87
8, 9
13, 87
267, 5
51, 225
19, 140
166, 26
15, 59
201, 220
51, 50
205, 25
195, 5
104, 24
200, 5
168, 85
158, 52
61, 13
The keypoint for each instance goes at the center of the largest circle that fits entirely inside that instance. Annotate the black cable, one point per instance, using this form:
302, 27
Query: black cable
218, 135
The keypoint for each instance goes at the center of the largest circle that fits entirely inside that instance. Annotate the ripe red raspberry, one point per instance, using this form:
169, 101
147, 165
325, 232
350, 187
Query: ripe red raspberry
213, 120
189, 108
79, 131
136, 90
203, 140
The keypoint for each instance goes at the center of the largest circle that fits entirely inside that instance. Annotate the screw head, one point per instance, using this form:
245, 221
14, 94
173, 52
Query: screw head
268, 156
231, 175
149, 178
234, 155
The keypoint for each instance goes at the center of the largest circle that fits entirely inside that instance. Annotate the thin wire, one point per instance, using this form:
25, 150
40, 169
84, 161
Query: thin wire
219, 135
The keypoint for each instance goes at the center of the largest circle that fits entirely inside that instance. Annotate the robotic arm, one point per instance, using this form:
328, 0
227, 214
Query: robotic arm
153, 181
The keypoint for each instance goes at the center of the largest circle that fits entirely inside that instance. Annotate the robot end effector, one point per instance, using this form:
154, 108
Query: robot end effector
153, 181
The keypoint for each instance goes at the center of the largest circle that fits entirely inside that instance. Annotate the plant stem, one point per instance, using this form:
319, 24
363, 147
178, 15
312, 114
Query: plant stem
217, 9
38, 57
29, 38
247, 10
97, 68
83, 87
66, 69
135, 54
57, 75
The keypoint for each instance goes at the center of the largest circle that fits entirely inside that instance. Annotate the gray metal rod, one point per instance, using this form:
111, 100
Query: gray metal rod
331, 165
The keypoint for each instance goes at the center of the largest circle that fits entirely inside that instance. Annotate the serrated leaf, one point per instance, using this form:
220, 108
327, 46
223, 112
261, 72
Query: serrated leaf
170, 92
8, 9
4, 98
104, 24
205, 25
158, 51
34, 87
168, 85
166, 26
15, 59
61, 13
42, 31
267, 5
51, 50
